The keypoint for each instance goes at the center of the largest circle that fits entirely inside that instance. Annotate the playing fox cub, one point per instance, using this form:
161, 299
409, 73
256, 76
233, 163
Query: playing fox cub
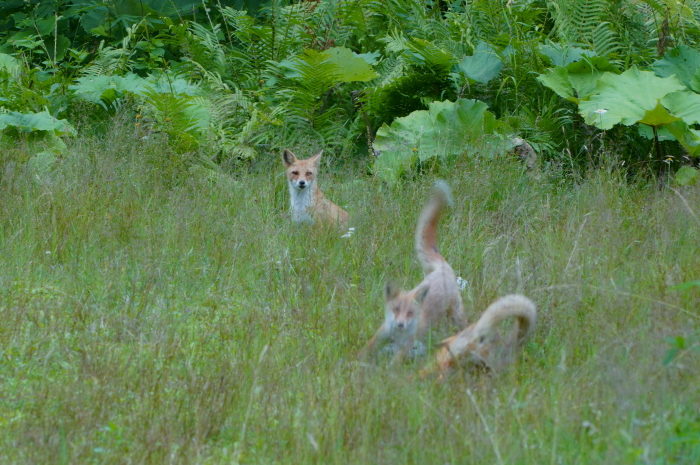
480, 346
409, 314
308, 204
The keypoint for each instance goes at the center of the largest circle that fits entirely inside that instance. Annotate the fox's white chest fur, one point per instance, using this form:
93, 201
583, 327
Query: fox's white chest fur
301, 201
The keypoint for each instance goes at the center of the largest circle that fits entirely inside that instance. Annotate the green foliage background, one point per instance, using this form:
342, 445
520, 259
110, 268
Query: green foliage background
231, 81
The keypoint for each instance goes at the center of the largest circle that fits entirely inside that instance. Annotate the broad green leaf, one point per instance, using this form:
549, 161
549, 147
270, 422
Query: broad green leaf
370, 57
29, 122
684, 63
686, 136
685, 105
162, 83
685, 176
445, 129
557, 79
105, 89
576, 81
483, 66
350, 66
627, 98
584, 74
658, 116
562, 54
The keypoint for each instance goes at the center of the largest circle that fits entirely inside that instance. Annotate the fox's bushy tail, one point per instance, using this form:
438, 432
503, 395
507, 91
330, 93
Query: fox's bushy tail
426, 231
515, 306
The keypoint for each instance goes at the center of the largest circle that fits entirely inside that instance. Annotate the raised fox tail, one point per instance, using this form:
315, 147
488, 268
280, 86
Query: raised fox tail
513, 305
426, 231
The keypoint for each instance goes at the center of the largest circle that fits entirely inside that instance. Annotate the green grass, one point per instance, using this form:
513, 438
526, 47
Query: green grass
151, 317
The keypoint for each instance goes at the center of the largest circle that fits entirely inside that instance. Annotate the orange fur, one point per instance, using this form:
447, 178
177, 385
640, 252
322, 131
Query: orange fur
479, 345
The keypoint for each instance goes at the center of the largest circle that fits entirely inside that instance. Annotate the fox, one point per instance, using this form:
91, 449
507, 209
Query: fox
308, 204
480, 345
409, 314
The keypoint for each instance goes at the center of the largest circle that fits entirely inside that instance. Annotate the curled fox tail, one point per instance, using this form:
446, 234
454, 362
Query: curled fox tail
513, 305
426, 231
480, 344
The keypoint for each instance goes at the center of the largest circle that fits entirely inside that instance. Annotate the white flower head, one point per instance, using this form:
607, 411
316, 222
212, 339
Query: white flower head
601, 111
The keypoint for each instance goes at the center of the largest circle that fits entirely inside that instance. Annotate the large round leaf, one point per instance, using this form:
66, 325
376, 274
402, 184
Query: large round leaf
629, 98
684, 63
444, 129
685, 105
578, 80
483, 66
29, 122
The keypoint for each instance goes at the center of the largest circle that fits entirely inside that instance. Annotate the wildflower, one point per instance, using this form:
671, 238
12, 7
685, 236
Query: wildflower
601, 111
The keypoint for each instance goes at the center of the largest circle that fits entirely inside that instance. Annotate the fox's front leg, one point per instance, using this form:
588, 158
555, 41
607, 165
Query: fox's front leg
380, 336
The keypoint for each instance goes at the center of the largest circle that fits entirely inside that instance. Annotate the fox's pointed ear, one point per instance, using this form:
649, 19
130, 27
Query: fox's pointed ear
421, 294
288, 157
317, 158
391, 290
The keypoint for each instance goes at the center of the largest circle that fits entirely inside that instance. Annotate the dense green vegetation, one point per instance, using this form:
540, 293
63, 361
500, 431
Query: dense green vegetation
158, 306
233, 81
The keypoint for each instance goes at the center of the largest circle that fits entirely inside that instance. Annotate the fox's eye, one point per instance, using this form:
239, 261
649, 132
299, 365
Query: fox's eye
309, 173
295, 173
482, 338
409, 314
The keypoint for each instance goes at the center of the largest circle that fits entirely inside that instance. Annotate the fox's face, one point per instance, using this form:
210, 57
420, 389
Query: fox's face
404, 307
301, 174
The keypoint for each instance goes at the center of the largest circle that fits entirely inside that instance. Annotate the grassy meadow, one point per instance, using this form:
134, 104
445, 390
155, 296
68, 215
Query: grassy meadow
155, 315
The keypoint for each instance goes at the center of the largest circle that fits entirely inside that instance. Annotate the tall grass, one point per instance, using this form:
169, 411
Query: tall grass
154, 317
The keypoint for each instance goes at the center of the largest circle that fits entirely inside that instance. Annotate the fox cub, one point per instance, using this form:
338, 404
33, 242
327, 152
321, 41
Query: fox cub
308, 204
409, 314
479, 345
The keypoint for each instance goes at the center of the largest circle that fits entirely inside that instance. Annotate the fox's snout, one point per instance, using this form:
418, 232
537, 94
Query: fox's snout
301, 184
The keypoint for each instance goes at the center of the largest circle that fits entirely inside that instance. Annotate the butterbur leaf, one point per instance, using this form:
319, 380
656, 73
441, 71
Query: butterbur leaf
350, 66
29, 122
483, 66
658, 116
445, 129
577, 81
684, 63
562, 54
627, 98
685, 105
686, 136
557, 79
